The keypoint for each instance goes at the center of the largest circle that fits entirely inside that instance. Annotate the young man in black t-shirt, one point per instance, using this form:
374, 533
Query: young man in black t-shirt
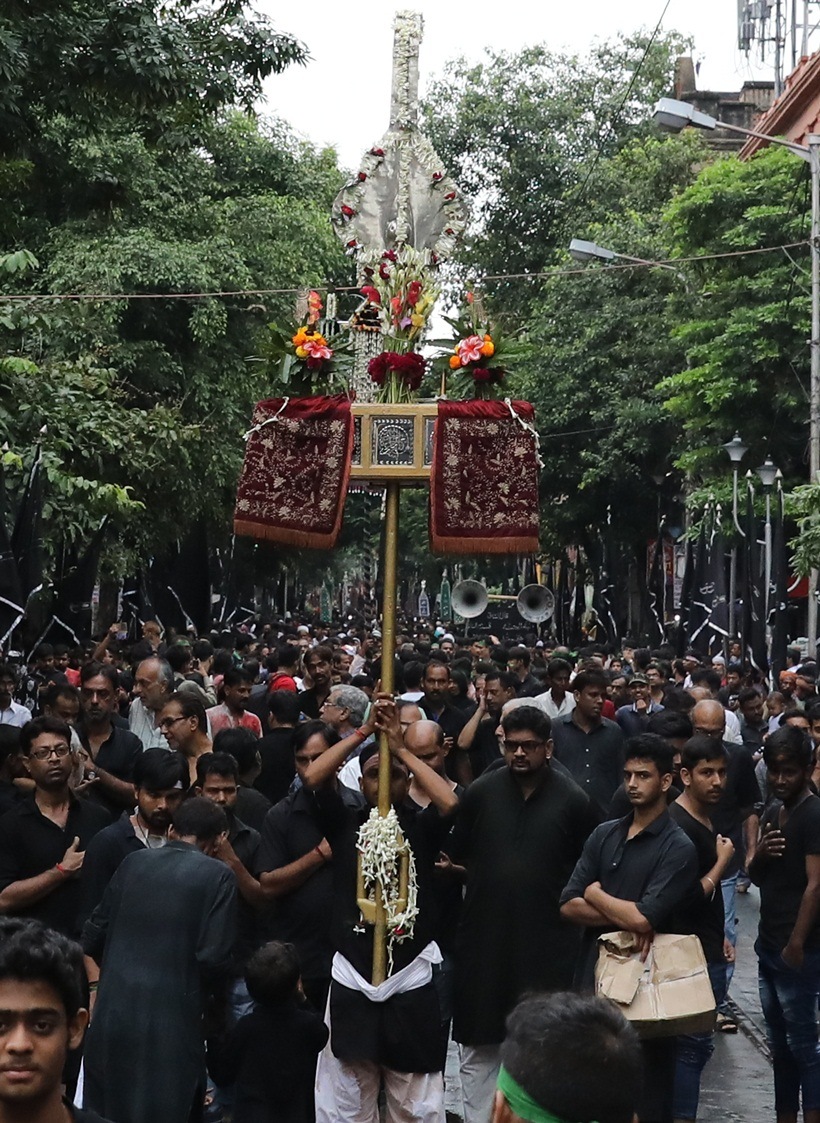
786, 867
703, 774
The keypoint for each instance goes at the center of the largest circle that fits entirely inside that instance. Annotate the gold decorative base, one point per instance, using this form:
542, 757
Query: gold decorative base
393, 442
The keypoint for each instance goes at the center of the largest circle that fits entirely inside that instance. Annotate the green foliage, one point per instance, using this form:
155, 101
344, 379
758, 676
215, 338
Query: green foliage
745, 340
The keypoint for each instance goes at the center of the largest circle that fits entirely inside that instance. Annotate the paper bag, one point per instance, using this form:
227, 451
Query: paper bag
668, 994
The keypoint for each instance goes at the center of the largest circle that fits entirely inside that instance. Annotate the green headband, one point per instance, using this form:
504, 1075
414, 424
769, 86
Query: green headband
522, 1102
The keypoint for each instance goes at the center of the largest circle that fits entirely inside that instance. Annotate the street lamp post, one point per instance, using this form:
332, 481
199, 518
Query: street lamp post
736, 450
676, 115
768, 473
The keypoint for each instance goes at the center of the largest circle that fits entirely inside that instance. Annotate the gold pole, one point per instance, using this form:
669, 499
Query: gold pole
391, 552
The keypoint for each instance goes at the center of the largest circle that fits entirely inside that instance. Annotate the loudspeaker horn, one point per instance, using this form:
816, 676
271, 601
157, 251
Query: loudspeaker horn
535, 603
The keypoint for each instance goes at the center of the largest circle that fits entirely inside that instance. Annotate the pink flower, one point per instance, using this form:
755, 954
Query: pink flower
317, 350
469, 349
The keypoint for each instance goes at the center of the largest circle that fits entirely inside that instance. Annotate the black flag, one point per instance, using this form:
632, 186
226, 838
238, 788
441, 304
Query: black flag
684, 630
71, 607
11, 593
779, 597
754, 622
26, 542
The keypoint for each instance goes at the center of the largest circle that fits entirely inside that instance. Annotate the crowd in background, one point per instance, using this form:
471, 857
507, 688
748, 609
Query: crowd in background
187, 808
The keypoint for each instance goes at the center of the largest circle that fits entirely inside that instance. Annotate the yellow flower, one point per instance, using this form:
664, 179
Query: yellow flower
300, 337
417, 320
301, 353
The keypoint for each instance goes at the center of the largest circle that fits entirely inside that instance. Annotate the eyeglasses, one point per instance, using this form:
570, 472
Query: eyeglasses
526, 746
60, 751
329, 702
715, 734
167, 722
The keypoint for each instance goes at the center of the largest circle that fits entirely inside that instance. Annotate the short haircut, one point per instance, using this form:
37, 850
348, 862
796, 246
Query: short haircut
748, 694
576, 1056
43, 651
287, 655
216, 764
179, 655
436, 663
558, 667
521, 653
320, 654
524, 718
165, 675
461, 680
590, 678
59, 690
353, 700
30, 952
285, 706
241, 744
308, 729
507, 679
413, 673
790, 743
157, 769
202, 649
700, 748
92, 670
34, 729
705, 676
649, 746
191, 706
9, 742
272, 973
809, 671
812, 713
670, 724
236, 676
7, 671
200, 818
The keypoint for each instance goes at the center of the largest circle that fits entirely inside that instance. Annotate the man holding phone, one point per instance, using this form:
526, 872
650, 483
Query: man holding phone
786, 867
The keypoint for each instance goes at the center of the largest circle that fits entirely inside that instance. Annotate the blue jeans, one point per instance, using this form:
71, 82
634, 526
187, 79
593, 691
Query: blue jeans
693, 1053
728, 888
789, 1002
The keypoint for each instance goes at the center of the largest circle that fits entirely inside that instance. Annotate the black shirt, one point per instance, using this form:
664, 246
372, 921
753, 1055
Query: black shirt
117, 755
783, 880
30, 844
291, 830
739, 796
484, 750
278, 769
700, 915
102, 859
655, 869
529, 687
595, 759
10, 796
251, 806
310, 704
245, 842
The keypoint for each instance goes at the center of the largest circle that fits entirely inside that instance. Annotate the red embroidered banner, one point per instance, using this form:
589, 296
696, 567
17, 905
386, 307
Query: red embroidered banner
297, 465
484, 480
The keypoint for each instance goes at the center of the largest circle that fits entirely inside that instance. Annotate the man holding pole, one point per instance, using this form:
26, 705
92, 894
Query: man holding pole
388, 1031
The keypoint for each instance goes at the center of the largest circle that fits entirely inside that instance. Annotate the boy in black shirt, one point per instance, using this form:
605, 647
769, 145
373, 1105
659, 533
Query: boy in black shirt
270, 1054
703, 774
786, 867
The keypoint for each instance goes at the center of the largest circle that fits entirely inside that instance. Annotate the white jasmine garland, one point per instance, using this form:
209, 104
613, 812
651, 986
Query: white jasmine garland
381, 844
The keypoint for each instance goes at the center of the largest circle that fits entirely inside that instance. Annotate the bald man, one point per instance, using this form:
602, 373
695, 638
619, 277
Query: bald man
425, 739
734, 817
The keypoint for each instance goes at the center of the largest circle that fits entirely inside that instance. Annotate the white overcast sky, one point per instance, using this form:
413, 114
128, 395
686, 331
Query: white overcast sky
342, 96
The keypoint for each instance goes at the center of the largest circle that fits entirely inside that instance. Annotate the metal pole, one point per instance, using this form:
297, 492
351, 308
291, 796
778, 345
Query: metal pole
814, 411
733, 563
391, 552
768, 553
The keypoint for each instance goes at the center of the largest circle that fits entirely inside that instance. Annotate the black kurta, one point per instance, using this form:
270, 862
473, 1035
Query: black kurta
519, 854
167, 921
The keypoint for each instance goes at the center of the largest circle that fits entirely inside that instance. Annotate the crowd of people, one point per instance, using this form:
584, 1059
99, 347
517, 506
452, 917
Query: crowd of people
180, 906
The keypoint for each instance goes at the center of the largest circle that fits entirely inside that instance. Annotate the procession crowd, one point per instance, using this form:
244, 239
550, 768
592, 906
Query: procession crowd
179, 822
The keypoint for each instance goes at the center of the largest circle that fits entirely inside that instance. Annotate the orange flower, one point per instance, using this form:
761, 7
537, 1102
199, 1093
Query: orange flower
489, 347
455, 362
300, 338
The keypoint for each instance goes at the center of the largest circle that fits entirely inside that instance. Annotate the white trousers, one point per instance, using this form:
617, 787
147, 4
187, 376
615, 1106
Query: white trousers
349, 1093
479, 1065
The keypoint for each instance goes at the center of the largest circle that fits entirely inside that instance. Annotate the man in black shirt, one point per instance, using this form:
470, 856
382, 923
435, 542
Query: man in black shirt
375, 1036
12, 767
108, 778
633, 874
295, 868
276, 746
703, 774
318, 667
437, 704
589, 745
43, 839
518, 663
786, 867
479, 736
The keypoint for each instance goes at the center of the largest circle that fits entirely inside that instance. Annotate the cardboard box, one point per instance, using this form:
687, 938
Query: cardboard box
668, 994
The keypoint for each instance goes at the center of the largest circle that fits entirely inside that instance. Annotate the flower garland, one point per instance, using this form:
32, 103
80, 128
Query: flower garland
381, 845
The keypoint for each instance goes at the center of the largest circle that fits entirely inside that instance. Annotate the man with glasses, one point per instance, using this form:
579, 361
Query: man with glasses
734, 817
43, 839
184, 725
520, 830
